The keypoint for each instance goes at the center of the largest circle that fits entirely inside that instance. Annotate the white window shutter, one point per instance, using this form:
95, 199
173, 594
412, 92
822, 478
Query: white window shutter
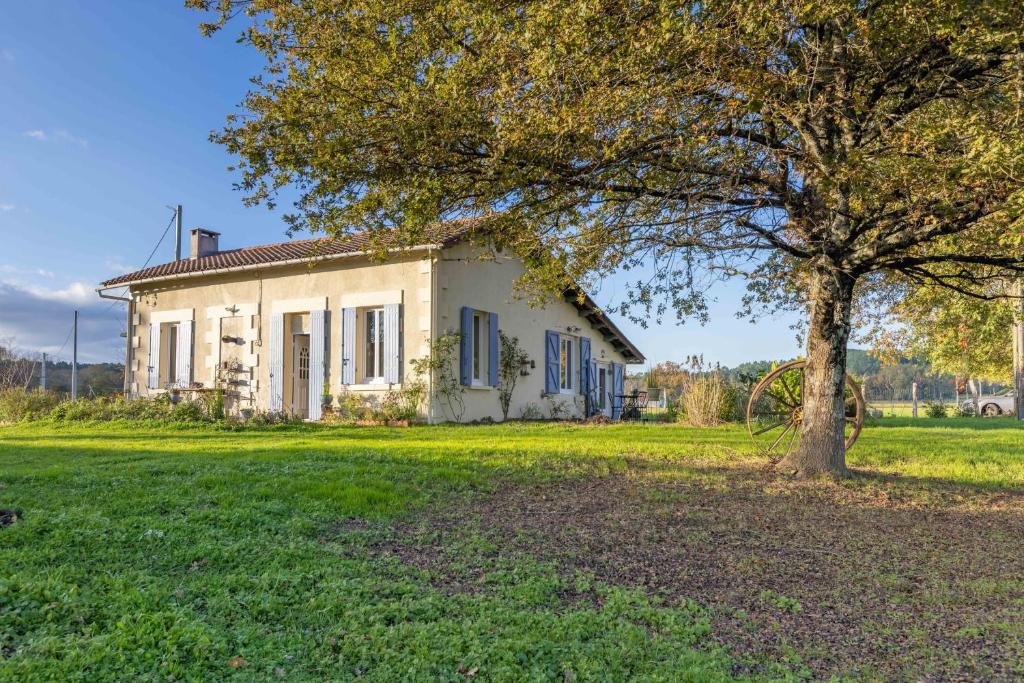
276, 362
392, 332
183, 357
317, 363
348, 346
154, 356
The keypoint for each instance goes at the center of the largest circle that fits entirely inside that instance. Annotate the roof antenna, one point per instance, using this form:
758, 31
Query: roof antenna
177, 237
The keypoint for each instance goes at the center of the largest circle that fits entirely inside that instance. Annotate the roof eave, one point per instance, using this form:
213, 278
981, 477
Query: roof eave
111, 284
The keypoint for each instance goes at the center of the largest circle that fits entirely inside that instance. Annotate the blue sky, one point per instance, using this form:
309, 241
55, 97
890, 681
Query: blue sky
107, 108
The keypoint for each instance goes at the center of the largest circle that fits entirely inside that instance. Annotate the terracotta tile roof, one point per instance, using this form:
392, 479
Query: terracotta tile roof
444, 234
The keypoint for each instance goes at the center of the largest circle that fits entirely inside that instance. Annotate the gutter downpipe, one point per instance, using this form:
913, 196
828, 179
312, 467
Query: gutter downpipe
127, 335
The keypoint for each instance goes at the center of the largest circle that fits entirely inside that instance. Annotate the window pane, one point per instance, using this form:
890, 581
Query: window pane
563, 363
172, 354
568, 364
371, 347
380, 343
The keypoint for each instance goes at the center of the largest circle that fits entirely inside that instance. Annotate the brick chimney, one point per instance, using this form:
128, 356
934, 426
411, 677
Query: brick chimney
204, 243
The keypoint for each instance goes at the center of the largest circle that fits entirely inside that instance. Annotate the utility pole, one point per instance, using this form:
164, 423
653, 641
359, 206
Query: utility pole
1018, 351
177, 237
42, 375
74, 360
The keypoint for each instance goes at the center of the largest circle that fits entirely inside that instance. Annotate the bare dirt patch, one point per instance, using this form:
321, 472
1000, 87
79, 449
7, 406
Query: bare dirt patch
8, 517
862, 579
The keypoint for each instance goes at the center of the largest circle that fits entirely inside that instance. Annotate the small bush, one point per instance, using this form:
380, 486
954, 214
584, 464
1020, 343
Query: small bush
559, 409
531, 411
352, 406
189, 411
263, 417
935, 409
401, 404
25, 404
120, 408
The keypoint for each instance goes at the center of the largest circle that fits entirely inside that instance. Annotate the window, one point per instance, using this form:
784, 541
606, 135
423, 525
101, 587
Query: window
602, 387
373, 369
172, 354
478, 326
565, 367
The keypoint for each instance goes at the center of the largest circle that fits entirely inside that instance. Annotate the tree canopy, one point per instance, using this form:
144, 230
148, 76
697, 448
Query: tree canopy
818, 150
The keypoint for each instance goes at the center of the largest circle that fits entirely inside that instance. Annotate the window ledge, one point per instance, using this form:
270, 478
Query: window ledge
479, 387
371, 387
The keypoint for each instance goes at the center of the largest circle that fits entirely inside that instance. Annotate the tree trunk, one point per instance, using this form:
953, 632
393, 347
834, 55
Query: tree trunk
822, 448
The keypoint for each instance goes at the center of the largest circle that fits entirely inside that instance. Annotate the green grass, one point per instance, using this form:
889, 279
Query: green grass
151, 552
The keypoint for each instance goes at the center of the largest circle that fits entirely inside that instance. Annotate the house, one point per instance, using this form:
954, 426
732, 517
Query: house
277, 326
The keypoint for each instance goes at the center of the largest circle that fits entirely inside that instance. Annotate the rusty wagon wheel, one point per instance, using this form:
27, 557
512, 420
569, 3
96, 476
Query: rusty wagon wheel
775, 410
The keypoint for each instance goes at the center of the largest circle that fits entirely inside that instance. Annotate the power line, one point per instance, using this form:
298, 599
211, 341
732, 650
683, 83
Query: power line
151, 254
66, 340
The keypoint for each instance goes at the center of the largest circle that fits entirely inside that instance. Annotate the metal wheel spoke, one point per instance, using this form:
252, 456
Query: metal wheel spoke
769, 392
770, 427
779, 437
792, 439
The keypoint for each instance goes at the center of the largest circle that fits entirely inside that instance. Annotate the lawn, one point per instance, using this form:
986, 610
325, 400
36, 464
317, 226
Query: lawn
507, 552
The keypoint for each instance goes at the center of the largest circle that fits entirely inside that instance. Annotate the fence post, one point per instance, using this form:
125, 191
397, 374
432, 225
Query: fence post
913, 398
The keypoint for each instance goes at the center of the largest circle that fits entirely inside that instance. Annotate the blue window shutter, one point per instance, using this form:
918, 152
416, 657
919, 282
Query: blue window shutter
317, 366
551, 362
585, 374
276, 362
466, 347
594, 388
154, 356
348, 346
618, 388
392, 359
492, 349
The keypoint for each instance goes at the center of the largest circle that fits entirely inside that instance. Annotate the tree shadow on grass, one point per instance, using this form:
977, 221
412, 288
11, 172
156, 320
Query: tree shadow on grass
855, 577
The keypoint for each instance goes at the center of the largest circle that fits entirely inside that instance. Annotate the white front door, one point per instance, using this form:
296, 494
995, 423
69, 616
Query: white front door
300, 375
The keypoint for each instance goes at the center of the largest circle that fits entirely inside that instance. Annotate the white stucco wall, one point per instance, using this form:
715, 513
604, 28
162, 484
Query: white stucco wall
431, 286
352, 282
463, 279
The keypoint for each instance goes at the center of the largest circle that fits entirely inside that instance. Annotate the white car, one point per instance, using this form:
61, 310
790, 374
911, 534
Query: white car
991, 404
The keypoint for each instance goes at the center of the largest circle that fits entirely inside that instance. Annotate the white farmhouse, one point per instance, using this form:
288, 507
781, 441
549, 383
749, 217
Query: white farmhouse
276, 327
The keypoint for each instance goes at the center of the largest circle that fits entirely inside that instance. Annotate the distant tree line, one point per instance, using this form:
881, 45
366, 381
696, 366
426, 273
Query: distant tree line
21, 370
889, 380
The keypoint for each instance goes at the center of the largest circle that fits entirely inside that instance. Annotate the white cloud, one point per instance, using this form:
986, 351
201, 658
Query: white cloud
7, 207
59, 135
41, 323
74, 293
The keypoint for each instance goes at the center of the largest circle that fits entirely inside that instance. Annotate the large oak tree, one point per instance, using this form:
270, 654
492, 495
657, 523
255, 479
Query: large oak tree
819, 150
